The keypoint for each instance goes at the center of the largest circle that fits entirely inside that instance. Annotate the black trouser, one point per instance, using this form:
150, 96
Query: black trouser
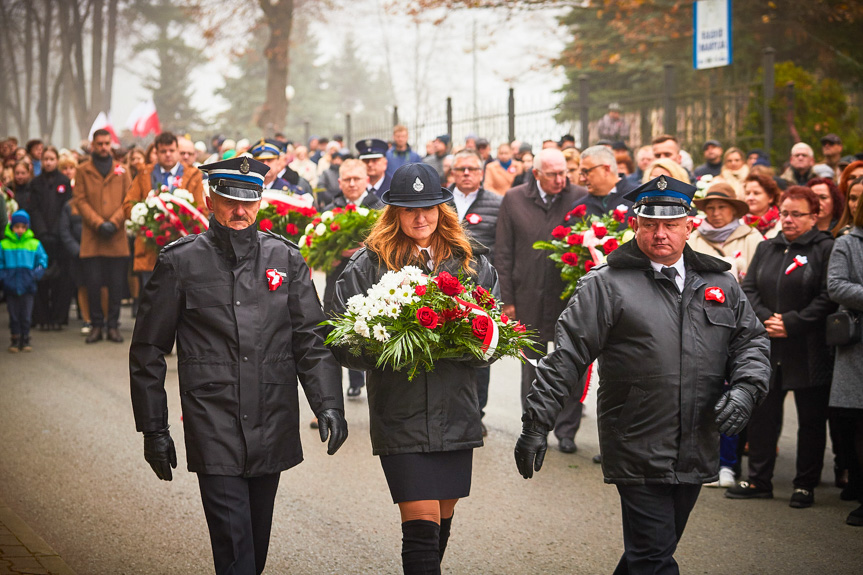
766, 425
110, 272
20, 308
654, 517
569, 419
483, 377
239, 515
54, 293
356, 378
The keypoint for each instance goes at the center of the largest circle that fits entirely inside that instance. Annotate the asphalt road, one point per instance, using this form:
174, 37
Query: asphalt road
72, 466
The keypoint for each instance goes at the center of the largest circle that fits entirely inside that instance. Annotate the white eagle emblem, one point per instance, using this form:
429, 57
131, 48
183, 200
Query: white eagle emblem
418, 185
662, 184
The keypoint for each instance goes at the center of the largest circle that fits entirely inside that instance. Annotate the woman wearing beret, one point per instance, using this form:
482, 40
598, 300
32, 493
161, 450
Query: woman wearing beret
424, 430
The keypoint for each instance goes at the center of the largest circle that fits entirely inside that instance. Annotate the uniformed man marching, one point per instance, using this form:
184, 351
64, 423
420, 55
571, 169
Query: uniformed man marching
245, 316
669, 327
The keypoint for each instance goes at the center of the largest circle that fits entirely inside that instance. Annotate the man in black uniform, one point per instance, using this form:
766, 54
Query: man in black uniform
669, 327
245, 316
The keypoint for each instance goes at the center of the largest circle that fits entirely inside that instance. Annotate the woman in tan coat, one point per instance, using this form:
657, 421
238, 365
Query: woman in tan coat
722, 234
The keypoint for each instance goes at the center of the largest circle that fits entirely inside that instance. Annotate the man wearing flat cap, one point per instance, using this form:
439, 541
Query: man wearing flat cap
373, 154
440, 147
244, 313
669, 327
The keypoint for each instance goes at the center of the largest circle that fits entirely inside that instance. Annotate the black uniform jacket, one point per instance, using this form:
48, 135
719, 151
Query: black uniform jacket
240, 349
438, 410
802, 358
663, 359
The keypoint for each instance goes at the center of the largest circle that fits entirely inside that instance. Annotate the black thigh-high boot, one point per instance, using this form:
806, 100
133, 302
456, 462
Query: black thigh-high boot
420, 550
445, 526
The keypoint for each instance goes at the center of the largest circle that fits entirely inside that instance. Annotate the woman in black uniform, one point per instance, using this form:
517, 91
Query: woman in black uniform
424, 430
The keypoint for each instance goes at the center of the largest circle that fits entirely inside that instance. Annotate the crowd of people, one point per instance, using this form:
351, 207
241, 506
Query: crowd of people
791, 235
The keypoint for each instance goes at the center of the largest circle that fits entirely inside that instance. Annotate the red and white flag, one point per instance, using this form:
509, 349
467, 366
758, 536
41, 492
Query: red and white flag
103, 122
144, 120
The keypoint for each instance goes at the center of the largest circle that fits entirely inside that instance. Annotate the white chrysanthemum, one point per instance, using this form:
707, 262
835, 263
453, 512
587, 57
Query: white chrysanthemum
622, 208
404, 295
165, 197
362, 211
362, 328
302, 241
381, 333
139, 213
320, 229
184, 195
309, 228
169, 206
393, 310
327, 216
150, 201
355, 303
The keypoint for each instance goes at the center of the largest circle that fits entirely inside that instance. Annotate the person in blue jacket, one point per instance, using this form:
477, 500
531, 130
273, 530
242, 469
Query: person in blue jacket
22, 263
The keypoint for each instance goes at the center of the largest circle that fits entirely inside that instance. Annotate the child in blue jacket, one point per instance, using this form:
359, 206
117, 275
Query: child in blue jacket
22, 262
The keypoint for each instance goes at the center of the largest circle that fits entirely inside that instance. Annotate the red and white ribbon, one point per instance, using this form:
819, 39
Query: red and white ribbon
280, 198
172, 216
489, 343
799, 261
196, 214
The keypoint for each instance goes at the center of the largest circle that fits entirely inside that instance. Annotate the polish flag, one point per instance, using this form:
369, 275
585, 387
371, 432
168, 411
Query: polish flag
103, 122
144, 120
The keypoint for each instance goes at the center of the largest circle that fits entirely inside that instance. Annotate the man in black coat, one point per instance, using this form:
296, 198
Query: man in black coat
477, 210
606, 190
530, 284
373, 154
244, 312
669, 327
353, 183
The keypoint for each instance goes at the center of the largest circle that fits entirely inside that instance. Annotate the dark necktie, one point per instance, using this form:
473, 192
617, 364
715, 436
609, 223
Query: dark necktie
669, 272
425, 259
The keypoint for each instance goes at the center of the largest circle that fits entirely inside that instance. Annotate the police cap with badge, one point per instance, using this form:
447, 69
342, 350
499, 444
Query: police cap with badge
662, 198
372, 148
239, 178
266, 151
416, 186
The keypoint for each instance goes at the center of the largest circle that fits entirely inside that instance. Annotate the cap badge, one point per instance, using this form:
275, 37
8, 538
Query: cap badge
368, 143
662, 184
244, 167
418, 185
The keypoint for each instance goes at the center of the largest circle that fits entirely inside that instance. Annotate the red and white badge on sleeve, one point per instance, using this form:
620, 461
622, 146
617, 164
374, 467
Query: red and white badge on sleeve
714, 294
799, 261
274, 278
119, 170
473, 218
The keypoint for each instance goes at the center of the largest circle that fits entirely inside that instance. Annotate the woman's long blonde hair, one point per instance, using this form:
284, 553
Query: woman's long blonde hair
397, 250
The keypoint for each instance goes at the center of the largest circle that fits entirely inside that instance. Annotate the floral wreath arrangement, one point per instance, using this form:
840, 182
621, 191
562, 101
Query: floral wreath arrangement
409, 320
340, 229
165, 217
578, 248
285, 214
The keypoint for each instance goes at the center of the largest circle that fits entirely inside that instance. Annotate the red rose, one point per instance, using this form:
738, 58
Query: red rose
589, 265
619, 215
480, 325
519, 327
159, 217
308, 212
292, 229
452, 314
610, 245
161, 240
504, 319
427, 317
337, 211
148, 233
599, 230
449, 284
335, 227
266, 225
420, 290
560, 232
575, 239
308, 240
316, 221
196, 229
570, 259
579, 211
351, 208
282, 209
483, 297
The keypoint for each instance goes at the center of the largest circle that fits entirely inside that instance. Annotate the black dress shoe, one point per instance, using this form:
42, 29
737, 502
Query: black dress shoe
114, 335
95, 335
597, 458
567, 445
354, 391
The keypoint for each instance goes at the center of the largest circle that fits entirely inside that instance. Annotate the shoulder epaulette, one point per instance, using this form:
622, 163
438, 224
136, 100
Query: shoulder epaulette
281, 238
180, 241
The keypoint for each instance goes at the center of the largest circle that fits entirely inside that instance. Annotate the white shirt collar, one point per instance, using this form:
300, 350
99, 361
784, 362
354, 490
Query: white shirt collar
678, 265
173, 170
359, 200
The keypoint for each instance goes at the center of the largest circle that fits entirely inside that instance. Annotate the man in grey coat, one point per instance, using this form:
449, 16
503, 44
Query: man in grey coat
530, 284
669, 327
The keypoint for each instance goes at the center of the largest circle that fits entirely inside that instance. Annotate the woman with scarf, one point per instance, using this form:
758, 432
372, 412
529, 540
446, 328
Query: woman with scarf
761, 196
734, 170
424, 430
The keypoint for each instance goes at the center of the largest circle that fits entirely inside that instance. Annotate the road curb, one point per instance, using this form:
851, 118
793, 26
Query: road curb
23, 551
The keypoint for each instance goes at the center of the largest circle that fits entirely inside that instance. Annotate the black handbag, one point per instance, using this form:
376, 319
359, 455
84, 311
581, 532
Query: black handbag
843, 328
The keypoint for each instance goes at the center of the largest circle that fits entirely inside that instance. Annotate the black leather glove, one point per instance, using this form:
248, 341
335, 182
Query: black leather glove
107, 229
331, 422
160, 453
530, 448
733, 410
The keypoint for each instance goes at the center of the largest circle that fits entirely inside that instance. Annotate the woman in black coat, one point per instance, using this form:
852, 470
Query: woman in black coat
49, 192
424, 430
787, 285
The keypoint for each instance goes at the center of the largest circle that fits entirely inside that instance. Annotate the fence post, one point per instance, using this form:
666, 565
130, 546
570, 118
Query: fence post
395, 115
307, 130
348, 139
769, 56
669, 123
449, 118
584, 110
511, 115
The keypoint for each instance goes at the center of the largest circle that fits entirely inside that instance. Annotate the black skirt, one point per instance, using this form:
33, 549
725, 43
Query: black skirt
428, 476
